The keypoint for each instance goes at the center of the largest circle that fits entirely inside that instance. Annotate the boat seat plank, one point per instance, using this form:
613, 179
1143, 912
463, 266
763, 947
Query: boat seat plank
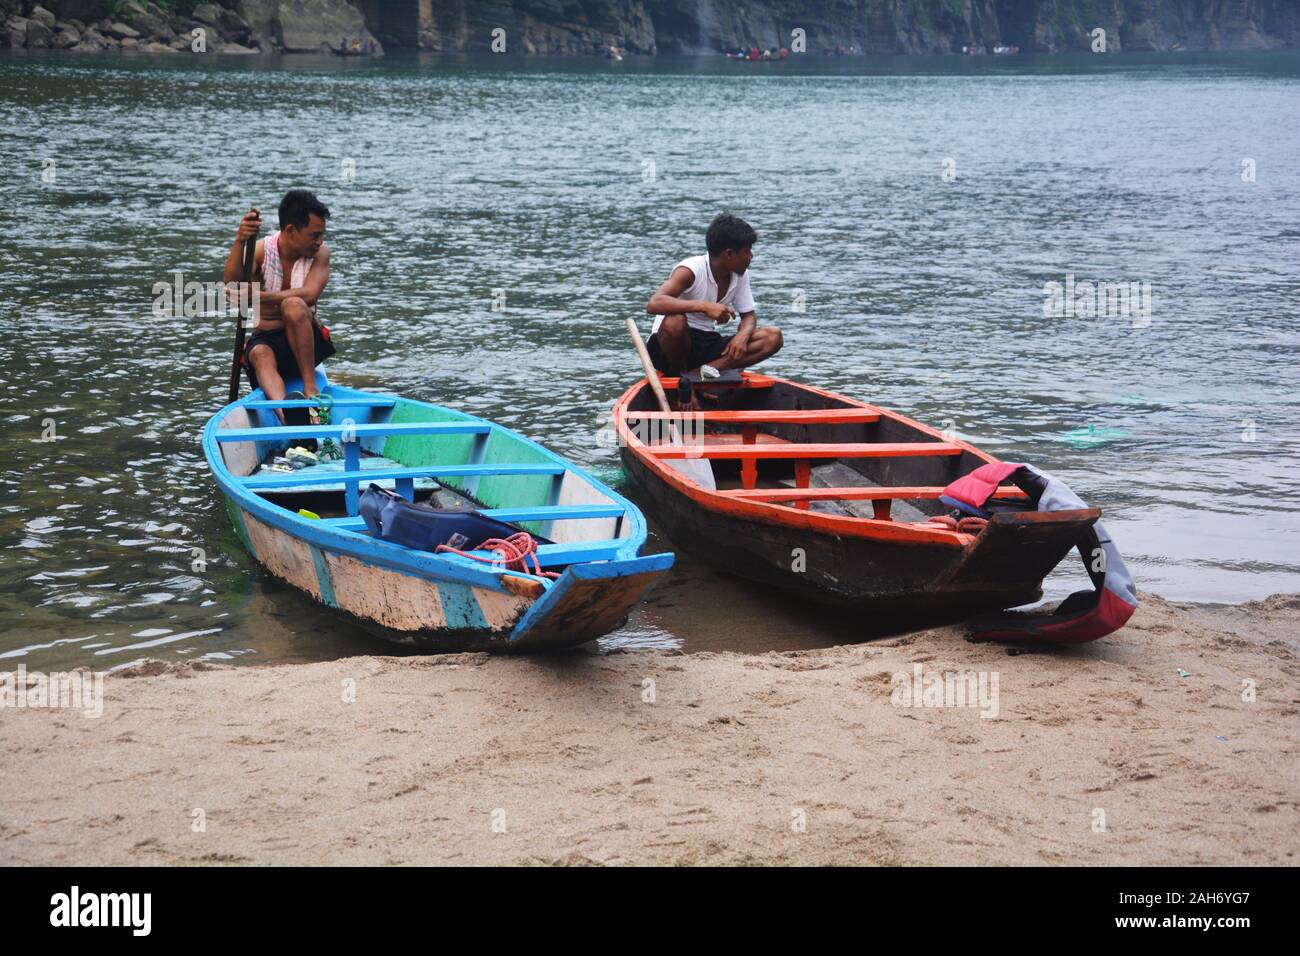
368, 465
294, 479
269, 405
548, 555
555, 512
850, 494
367, 430
540, 513
790, 416
605, 549
798, 450
748, 382
577, 552
732, 438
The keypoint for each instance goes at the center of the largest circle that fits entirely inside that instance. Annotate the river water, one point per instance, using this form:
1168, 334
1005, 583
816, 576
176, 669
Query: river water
911, 213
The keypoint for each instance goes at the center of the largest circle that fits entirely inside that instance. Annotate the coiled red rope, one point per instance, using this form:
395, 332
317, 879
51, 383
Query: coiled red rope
515, 552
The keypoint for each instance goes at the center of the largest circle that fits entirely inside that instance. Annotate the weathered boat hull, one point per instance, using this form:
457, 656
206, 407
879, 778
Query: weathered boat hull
442, 602
857, 572
443, 615
886, 567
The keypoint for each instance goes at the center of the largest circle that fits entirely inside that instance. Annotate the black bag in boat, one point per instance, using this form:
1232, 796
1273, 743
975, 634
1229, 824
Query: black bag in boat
392, 518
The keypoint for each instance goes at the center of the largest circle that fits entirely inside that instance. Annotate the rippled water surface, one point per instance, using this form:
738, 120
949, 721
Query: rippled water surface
574, 187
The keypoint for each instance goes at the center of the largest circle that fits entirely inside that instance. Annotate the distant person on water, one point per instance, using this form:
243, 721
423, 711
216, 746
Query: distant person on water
292, 266
704, 292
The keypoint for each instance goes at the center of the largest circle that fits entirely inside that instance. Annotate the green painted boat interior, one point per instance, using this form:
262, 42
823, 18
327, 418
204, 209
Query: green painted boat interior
493, 491
431, 451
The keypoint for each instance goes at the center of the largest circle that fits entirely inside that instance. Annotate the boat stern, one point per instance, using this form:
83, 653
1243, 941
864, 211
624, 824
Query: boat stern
1015, 551
588, 601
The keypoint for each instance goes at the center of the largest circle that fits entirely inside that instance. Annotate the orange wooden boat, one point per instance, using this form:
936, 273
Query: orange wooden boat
831, 499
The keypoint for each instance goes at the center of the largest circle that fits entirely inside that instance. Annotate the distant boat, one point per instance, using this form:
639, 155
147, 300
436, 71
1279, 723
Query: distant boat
304, 525
1006, 50
756, 55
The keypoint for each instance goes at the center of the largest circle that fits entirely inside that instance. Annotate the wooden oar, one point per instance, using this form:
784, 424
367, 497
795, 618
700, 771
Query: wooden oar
236, 367
697, 470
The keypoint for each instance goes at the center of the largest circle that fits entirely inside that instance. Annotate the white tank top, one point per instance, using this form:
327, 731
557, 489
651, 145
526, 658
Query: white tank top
273, 268
704, 288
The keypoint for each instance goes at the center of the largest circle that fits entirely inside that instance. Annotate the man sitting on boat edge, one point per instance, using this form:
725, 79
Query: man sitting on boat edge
292, 266
704, 292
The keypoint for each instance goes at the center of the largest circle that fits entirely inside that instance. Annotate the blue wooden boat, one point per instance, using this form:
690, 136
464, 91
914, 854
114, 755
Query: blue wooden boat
439, 601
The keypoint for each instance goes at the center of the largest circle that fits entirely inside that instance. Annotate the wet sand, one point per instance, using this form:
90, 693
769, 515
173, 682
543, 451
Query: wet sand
1101, 754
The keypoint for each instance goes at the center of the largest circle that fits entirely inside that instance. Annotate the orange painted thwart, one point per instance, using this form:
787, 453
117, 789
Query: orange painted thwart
806, 450
802, 416
771, 513
749, 380
852, 494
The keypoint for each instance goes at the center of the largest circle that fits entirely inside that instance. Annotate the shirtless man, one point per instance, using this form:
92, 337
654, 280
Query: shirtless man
292, 266
702, 293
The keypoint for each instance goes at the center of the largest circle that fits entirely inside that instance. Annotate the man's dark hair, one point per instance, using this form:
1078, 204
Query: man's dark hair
298, 206
729, 232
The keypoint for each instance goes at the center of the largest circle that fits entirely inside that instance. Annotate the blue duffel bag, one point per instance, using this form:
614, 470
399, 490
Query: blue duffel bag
391, 517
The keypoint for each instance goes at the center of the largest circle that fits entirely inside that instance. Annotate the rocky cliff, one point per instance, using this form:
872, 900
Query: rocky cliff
865, 26
184, 26
650, 26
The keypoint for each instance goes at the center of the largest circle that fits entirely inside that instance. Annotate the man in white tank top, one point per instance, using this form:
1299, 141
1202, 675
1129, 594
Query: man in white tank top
704, 292
292, 266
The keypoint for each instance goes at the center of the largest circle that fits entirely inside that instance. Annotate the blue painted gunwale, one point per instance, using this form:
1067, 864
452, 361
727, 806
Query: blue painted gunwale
419, 564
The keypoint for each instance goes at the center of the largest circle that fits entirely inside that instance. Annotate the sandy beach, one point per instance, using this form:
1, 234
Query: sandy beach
1102, 754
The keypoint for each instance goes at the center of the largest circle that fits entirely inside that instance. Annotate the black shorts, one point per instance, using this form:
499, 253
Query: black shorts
705, 347
278, 342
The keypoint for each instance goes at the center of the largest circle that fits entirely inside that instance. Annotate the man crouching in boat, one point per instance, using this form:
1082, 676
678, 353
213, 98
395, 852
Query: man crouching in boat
293, 266
702, 293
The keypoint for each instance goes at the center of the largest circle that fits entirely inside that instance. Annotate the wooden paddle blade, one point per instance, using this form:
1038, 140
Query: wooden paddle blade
700, 472
694, 469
